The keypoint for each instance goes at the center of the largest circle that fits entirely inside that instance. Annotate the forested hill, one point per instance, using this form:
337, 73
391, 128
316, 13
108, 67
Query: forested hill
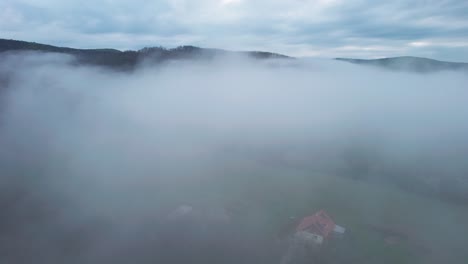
129, 59
407, 63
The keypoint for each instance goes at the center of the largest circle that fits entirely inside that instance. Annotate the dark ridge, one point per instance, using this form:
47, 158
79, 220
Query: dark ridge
407, 63
127, 60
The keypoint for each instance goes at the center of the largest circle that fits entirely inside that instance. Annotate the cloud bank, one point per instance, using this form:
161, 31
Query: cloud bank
92, 161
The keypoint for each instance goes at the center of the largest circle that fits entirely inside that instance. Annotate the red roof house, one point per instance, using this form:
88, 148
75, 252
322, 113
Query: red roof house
320, 224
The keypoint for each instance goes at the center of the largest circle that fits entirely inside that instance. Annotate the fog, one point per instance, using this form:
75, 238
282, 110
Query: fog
93, 161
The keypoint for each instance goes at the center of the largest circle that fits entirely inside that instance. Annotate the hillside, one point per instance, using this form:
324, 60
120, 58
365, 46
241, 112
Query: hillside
415, 64
127, 60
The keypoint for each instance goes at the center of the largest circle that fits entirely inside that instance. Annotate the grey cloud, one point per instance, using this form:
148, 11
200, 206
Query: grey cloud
270, 25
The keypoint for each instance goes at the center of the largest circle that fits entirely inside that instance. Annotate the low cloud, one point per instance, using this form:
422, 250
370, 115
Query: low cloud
92, 161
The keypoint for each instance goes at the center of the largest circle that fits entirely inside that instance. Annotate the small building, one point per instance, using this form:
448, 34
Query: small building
310, 234
321, 225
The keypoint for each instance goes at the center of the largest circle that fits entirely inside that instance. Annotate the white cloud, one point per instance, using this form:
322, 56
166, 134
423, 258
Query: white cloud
230, 2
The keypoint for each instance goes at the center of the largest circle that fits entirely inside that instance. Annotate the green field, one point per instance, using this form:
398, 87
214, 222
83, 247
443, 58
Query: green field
420, 229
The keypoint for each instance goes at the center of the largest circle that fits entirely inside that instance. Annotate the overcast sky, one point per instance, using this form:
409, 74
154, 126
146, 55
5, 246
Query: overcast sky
318, 28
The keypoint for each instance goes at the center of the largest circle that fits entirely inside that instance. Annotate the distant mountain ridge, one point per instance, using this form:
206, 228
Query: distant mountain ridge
129, 59
408, 63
